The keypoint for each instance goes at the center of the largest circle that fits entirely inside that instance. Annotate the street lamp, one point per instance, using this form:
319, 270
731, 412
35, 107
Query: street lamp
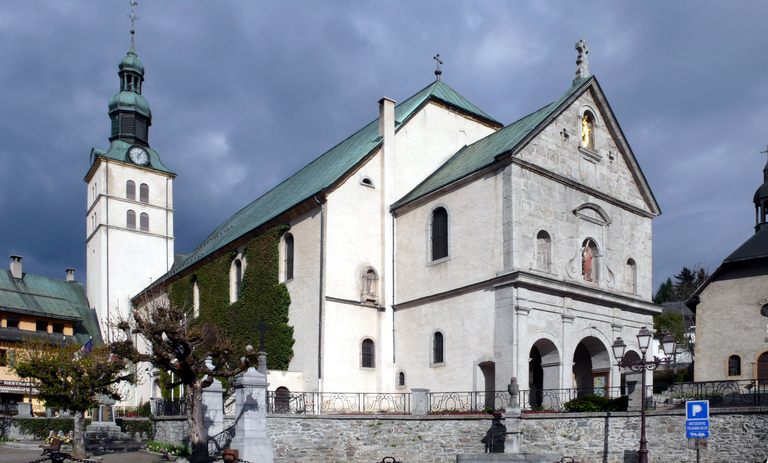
668, 347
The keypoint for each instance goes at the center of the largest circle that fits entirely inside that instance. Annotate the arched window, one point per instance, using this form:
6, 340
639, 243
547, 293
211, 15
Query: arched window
543, 250
734, 365
588, 130
282, 400
130, 219
366, 181
144, 221
130, 189
439, 233
589, 260
195, 297
237, 280
370, 286
401, 379
288, 256
367, 354
144, 193
630, 273
437, 348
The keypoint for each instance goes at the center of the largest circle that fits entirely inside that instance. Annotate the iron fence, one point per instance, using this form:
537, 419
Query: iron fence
719, 393
170, 407
338, 403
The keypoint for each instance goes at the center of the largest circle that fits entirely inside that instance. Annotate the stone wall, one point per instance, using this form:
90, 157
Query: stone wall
737, 435
172, 429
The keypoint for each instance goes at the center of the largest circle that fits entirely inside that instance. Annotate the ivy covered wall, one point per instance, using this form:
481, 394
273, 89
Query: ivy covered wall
261, 298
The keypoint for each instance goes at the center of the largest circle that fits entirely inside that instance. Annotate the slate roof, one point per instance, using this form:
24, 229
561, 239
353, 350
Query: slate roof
323, 172
754, 248
482, 153
42, 296
118, 150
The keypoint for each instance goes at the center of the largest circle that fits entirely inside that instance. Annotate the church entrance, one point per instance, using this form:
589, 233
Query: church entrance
543, 371
488, 370
591, 367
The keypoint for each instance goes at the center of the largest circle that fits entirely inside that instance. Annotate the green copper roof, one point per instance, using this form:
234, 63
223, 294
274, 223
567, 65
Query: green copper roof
131, 62
130, 101
118, 150
322, 172
483, 152
42, 296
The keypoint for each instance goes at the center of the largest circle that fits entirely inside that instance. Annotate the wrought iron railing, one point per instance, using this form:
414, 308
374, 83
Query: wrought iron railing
338, 403
719, 393
169, 407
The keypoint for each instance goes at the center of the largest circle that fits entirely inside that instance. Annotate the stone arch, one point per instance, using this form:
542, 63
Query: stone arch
591, 367
761, 368
543, 370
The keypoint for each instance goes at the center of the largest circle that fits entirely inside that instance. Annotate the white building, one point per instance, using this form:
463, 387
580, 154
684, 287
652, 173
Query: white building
129, 211
437, 248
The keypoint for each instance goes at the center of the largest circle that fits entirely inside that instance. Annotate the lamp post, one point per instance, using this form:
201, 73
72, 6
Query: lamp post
668, 346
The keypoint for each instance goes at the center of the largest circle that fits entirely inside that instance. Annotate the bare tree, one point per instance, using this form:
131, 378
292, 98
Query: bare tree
179, 343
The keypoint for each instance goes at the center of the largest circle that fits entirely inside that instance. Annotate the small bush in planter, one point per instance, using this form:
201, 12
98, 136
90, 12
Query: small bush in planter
596, 403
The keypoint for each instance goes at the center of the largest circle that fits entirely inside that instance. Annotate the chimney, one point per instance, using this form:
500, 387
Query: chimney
16, 270
70, 274
386, 118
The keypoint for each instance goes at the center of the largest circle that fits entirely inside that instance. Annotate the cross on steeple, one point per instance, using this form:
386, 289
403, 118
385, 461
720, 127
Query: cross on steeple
132, 17
438, 71
766, 150
582, 63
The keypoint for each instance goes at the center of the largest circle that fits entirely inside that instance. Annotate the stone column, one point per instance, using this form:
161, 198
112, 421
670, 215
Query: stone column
419, 401
251, 409
213, 408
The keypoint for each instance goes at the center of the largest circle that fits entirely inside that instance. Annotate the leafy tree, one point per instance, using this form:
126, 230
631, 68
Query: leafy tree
72, 379
180, 343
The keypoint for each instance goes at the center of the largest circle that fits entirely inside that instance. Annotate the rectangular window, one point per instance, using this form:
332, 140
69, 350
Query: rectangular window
58, 327
41, 325
3, 358
12, 323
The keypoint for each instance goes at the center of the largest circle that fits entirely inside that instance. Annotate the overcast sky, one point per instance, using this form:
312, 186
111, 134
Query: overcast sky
243, 94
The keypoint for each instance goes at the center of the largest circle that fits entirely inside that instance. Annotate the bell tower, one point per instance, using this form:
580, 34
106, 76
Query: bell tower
129, 209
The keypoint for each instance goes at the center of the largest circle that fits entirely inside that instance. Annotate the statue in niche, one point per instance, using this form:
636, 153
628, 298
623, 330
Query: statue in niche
588, 253
587, 127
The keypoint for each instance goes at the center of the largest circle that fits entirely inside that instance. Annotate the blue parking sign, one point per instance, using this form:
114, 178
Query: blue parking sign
697, 410
697, 428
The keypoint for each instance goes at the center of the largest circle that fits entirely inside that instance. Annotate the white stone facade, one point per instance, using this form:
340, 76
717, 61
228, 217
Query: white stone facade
121, 261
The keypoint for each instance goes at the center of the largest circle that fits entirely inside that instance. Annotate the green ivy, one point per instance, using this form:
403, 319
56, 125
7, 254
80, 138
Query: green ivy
42, 427
261, 298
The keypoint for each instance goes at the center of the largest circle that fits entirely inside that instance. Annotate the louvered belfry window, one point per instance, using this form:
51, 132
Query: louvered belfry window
439, 233
130, 219
144, 193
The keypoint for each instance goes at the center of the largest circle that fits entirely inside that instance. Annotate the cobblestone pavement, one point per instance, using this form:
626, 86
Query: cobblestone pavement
25, 455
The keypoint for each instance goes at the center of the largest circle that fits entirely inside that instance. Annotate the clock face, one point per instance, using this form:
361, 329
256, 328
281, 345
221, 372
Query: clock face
138, 155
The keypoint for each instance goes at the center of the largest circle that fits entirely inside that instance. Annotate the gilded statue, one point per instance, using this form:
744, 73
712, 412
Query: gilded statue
586, 132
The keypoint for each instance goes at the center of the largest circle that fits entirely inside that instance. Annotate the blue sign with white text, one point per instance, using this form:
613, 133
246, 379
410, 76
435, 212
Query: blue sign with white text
697, 419
697, 410
696, 428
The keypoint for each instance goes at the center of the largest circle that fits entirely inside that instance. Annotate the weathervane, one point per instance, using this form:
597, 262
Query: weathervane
438, 71
132, 17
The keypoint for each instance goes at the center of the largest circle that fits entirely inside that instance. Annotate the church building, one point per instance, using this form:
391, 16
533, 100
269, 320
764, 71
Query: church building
731, 308
435, 247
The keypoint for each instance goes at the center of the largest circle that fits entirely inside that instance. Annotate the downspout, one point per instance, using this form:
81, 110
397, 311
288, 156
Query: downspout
321, 293
392, 296
167, 233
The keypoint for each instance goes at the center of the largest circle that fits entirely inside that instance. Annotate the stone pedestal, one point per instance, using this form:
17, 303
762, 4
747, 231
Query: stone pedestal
24, 409
103, 424
213, 408
419, 401
251, 407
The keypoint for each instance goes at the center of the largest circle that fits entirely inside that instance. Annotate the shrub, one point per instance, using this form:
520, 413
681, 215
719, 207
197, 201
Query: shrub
596, 403
168, 448
134, 425
42, 427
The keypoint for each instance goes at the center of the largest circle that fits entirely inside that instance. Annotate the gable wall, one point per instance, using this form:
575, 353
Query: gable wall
728, 322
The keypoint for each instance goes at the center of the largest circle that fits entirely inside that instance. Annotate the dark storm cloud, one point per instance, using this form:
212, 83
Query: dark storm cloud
245, 93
